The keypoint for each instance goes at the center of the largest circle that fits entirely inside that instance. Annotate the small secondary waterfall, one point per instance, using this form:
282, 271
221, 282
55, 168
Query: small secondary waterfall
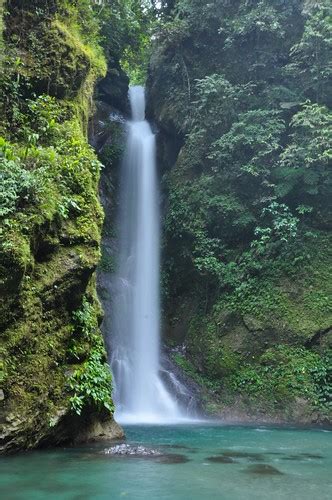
140, 393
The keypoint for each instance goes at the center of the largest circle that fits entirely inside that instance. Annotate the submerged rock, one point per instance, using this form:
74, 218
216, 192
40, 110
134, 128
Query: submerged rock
303, 456
311, 455
173, 458
292, 458
263, 469
243, 454
222, 460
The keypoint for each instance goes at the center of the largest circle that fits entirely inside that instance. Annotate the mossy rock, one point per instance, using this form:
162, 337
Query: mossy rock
50, 243
55, 59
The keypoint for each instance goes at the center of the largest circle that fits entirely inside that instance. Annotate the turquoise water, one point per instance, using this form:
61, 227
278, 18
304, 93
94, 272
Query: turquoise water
247, 463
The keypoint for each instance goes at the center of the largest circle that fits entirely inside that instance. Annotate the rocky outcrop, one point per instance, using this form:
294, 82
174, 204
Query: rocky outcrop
56, 384
113, 89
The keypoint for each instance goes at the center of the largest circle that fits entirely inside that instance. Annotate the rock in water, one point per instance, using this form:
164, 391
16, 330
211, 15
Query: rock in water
257, 457
173, 458
263, 469
133, 451
222, 460
127, 450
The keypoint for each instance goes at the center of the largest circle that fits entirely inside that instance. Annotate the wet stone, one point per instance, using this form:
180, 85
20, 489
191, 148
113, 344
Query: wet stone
173, 458
243, 454
311, 455
292, 458
222, 460
302, 456
263, 469
131, 451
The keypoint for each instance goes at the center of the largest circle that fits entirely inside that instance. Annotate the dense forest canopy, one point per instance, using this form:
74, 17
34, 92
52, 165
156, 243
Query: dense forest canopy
255, 114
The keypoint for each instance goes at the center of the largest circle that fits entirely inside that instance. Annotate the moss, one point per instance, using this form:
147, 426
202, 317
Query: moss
283, 375
55, 56
1, 32
293, 294
232, 350
50, 244
209, 352
200, 378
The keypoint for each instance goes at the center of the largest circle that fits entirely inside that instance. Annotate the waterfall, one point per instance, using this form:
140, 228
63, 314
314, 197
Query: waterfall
140, 393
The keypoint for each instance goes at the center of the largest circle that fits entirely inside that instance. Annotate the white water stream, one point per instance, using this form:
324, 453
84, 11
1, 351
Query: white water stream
140, 393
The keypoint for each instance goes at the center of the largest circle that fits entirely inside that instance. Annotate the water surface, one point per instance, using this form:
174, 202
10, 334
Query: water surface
212, 462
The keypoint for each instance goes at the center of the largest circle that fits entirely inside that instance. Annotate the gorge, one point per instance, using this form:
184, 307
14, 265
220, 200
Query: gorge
165, 256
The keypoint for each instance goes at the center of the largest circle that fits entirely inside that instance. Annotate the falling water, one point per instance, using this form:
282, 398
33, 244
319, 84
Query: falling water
140, 393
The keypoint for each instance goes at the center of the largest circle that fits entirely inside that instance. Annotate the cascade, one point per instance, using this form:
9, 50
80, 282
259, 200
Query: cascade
140, 392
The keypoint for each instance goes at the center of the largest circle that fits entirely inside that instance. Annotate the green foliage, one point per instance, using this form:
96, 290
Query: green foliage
284, 373
18, 186
44, 114
322, 377
250, 145
280, 228
91, 382
242, 91
305, 164
83, 17
262, 19
50, 172
11, 90
85, 320
191, 371
254, 169
126, 29
310, 58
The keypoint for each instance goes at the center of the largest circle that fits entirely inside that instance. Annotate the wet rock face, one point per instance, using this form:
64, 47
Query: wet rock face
113, 89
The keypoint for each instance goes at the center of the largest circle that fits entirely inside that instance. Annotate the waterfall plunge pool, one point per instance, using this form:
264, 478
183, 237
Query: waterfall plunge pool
199, 462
